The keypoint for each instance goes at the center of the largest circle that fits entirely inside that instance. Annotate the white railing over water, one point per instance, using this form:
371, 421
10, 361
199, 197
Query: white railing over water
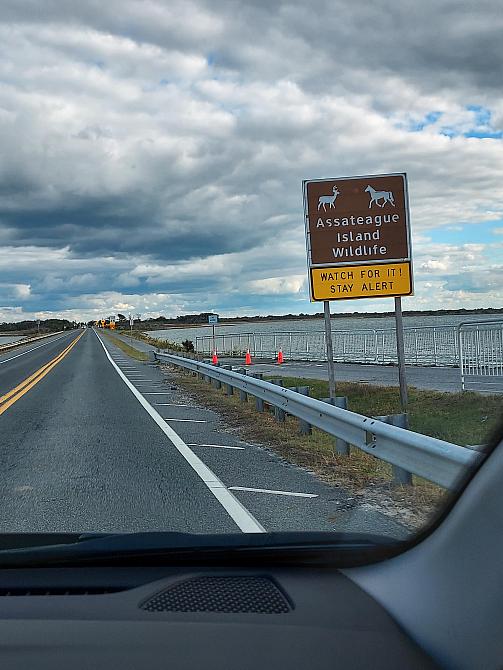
481, 355
425, 345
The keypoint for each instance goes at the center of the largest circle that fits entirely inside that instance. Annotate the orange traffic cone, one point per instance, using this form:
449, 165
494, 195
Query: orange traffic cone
280, 357
214, 358
248, 357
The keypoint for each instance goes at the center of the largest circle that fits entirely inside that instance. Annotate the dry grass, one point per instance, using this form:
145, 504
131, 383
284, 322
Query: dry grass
154, 341
126, 348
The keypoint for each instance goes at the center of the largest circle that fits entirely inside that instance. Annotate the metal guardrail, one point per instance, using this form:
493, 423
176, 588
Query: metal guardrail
435, 460
425, 345
27, 340
481, 355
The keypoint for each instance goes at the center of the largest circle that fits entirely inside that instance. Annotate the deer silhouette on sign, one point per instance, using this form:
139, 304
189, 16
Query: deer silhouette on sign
328, 199
375, 196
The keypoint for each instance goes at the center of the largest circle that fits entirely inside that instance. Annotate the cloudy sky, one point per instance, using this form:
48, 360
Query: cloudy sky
152, 152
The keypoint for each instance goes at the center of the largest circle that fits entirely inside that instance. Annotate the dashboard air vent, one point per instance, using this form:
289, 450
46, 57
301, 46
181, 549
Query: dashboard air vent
57, 591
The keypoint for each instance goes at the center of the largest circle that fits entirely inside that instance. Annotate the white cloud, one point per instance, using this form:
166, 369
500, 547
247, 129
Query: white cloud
278, 285
22, 291
159, 148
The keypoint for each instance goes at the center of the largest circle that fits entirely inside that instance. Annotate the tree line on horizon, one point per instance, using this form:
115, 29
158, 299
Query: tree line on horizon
202, 318
46, 325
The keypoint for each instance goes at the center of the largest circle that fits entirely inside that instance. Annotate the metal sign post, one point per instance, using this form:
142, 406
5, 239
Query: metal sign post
330, 350
400, 350
213, 319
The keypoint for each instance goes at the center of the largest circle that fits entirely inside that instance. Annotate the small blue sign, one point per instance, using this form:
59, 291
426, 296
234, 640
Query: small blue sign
213, 318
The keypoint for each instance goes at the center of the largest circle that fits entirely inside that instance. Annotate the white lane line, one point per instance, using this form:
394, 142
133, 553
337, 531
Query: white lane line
219, 446
242, 517
278, 493
169, 418
30, 350
171, 404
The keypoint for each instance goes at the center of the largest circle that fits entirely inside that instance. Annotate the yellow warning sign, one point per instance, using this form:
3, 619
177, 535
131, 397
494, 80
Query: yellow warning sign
361, 281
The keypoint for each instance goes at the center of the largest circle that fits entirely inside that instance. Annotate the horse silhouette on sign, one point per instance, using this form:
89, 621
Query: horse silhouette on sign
375, 196
328, 199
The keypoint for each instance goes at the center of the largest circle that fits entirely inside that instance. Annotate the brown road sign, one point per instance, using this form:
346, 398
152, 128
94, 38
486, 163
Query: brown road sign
357, 219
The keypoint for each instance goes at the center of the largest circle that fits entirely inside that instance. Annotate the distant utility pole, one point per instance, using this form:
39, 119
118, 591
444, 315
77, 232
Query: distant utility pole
138, 316
38, 326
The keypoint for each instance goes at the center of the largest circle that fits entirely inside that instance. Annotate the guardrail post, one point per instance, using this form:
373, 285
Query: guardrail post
243, 396
305, 428
341, 446
229, 389
279, 414
216, 383
259, 403
400, 475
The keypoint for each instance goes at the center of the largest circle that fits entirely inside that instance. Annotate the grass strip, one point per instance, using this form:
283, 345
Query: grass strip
127, 349
466, 418
153, 341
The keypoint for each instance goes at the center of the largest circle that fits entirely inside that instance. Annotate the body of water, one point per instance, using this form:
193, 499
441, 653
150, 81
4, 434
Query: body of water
7, 339
349, 323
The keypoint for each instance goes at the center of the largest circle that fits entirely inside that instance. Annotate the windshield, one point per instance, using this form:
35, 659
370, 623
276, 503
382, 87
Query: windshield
250, 265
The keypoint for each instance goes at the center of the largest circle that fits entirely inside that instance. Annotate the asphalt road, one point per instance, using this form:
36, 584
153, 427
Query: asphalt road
94, 441
427, 378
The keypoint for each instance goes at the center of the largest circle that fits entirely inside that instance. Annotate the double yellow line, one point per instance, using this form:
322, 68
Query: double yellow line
12, 396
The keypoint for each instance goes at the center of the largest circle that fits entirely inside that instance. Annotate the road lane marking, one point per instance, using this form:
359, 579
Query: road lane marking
171, 404
278, 493
241, 516
219, 446
168, 418
19, 391
23, 353
26, 381
150, 386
